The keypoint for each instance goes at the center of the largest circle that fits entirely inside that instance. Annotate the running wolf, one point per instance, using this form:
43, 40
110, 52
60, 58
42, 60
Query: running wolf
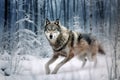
67, 43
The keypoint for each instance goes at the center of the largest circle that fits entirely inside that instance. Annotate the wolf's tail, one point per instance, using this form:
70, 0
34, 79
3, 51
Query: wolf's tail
101, 50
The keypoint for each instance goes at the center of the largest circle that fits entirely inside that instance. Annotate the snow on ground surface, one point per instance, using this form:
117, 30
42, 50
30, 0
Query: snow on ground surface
32, 68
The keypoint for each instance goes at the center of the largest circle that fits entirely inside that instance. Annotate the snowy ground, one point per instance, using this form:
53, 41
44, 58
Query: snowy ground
32, 68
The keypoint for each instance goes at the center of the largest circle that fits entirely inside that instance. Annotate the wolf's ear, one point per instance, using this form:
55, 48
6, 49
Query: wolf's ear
57, 21
47, 21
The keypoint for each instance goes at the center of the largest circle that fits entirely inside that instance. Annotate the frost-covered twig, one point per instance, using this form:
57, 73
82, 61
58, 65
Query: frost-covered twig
26, 18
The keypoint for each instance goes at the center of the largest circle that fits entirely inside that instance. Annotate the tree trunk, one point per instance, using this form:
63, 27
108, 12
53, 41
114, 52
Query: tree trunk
64, 9
35, 15
67, 16
52, 12
74, 7
6, 35
56, 11
84, 15
90, 16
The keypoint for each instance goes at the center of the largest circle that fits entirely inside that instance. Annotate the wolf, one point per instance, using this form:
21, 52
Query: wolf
68, 43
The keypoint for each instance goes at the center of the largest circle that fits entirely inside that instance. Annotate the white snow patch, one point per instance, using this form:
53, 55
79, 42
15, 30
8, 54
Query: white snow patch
32, 68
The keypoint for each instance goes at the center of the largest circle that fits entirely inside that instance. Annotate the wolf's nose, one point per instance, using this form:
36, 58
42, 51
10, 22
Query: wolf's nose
51, 36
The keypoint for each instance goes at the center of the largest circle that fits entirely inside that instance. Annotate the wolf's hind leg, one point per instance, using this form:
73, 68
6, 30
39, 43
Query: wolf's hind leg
95, 60
84, 62
83, 59
50, 62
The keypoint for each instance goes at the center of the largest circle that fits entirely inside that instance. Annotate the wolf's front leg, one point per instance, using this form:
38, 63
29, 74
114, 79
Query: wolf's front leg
61, 64
50, 62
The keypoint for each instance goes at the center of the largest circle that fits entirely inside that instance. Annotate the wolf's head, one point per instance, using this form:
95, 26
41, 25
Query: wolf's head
52, 30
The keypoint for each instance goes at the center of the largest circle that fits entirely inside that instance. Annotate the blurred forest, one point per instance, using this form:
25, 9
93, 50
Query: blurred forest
22, 20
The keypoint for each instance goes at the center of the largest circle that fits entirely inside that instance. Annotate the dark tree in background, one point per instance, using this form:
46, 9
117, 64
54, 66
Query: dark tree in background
36, 15
84, 14
100, 15
6, 29
64, 10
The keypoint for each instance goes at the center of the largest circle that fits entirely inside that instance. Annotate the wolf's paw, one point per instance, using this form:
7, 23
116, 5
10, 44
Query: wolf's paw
54, 72
47, 72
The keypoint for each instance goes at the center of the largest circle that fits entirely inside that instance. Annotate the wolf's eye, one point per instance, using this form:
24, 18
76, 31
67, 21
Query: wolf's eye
48, 30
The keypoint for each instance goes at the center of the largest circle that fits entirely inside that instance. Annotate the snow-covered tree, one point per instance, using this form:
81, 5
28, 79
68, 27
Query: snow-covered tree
27, 43
45, 49
76, 24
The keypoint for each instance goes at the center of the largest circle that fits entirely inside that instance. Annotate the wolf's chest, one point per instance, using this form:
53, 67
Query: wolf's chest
64, 52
